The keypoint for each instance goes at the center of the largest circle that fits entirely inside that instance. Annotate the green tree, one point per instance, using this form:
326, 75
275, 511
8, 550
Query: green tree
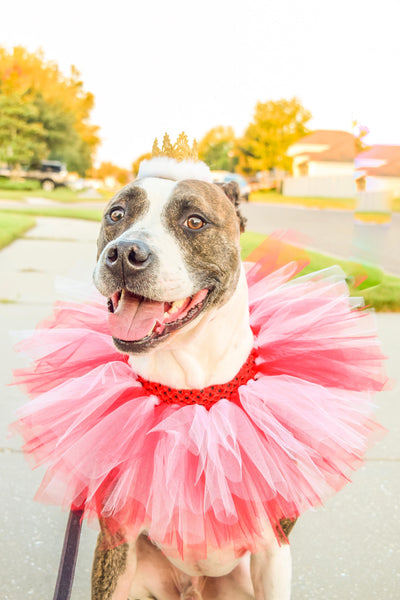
276, 125
63, 104
63, 141
217, 149
22, 135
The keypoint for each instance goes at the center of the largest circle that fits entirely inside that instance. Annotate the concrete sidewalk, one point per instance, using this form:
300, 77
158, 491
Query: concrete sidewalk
348, 550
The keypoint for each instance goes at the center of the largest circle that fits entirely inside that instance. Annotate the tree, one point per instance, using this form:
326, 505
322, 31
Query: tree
108, 169
63, 141
64, 106
360, 132
22, 136
276, 125
217, 149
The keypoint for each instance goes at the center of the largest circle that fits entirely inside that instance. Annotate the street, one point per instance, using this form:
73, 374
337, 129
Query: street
334, 232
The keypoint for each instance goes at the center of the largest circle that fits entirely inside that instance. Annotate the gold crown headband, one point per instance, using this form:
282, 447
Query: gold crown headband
181, 150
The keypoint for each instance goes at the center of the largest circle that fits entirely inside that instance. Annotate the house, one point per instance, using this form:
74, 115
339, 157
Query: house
323, 165
323, 152
378, 170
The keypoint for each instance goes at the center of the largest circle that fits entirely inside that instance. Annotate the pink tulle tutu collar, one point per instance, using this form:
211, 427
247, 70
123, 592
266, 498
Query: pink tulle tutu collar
200, 476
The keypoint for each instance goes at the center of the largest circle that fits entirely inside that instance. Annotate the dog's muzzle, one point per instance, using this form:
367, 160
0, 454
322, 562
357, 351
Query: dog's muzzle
138, 318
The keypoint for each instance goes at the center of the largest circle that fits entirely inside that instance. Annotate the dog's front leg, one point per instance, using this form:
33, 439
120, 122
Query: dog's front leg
271, 569
114, 568
271, 573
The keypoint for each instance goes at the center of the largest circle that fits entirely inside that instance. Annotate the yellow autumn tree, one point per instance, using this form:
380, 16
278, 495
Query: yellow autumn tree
108, 169
276, 125
217, 148
63, 104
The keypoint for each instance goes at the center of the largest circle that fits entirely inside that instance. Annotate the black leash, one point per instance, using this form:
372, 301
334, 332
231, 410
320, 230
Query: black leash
66, 570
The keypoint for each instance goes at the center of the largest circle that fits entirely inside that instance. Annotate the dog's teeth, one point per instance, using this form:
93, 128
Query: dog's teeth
176, 306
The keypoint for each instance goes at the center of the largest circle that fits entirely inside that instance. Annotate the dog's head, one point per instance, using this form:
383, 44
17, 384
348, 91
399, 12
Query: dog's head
168, 252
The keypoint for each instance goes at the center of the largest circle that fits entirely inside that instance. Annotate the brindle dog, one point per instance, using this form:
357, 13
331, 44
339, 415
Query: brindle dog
166, 241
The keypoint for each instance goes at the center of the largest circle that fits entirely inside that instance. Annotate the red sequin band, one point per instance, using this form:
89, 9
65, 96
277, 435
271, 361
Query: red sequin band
208, 395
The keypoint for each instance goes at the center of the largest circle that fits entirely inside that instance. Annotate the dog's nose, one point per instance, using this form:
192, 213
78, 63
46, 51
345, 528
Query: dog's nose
131, 253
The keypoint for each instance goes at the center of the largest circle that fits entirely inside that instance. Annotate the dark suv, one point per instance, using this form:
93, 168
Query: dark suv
50, 173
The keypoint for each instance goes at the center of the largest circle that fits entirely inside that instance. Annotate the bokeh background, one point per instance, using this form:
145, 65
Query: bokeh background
297, 102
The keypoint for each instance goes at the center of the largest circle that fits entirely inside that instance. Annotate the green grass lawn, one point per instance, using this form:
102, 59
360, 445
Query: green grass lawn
396, 205
379, 218
13, 194
12, 226
65, 194
273, 197
88, 214
60, 194
26, 185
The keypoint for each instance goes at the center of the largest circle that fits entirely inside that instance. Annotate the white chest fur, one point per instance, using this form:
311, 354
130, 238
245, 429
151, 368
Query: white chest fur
210, 351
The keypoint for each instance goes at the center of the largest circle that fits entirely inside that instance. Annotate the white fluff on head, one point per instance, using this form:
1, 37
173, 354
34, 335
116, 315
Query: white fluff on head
163, 166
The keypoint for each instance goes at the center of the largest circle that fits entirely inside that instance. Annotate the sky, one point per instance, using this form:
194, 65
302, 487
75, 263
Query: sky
173, 65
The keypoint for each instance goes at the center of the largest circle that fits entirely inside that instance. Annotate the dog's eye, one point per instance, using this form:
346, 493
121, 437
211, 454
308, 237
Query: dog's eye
195, 222
117, 214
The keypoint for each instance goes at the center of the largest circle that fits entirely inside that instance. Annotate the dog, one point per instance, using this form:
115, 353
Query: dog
169, 265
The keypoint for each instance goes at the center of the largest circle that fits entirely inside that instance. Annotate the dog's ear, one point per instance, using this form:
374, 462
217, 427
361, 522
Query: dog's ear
232, 190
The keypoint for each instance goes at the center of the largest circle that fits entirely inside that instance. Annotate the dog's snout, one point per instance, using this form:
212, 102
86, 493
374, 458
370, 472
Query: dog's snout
128, 253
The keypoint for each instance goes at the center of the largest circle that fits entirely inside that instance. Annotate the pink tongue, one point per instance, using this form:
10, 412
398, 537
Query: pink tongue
134, 318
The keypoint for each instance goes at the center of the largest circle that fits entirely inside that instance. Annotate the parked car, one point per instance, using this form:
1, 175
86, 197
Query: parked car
226, 176
50, 173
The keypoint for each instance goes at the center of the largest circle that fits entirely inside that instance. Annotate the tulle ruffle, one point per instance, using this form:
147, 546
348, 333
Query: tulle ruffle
199, 480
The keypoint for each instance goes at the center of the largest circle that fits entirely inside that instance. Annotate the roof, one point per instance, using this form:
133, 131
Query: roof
335, 146
379, 161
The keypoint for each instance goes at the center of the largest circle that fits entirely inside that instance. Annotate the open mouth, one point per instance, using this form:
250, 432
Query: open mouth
137, 320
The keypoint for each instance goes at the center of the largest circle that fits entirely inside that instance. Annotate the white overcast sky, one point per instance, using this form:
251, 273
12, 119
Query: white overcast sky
174, 65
